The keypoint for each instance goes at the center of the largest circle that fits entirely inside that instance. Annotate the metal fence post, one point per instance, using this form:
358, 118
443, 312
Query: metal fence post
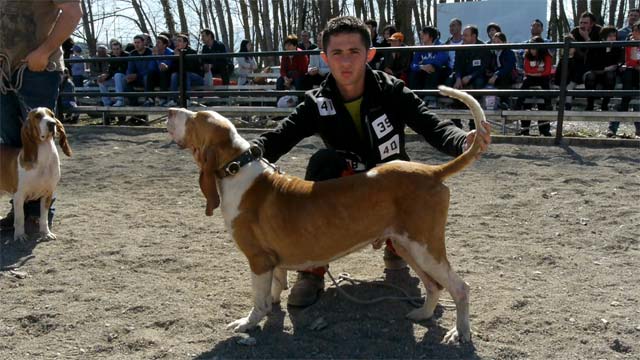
563, 89
183, 79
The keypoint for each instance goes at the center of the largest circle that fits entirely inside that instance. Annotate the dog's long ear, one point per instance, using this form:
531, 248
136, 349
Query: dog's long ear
64, 144
29, 136
208, 167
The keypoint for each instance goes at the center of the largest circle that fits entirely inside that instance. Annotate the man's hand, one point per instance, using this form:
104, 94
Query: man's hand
37, 60
458, 84
313, 71
484, 138
492, 80
429, 69
466, 80
132, 77
164, 67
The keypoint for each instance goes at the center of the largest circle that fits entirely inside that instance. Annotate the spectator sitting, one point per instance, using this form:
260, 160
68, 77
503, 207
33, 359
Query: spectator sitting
469, 71
220, 66
377, 42
292, 67
115, 76
632, 18
455, 30
503, 68
397, 63
603, 67
67, 51
99, 67
305, 41
630, 79
246, 64
137, 70
536, 30
430, 68
492, 29
537, 72
192, 67
587, 30
148, 41
172, 39
159, 70
317, 70
387, 31
77, 68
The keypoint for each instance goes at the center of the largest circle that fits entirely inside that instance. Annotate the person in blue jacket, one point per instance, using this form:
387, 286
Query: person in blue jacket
159, 73
503, 70
429, 68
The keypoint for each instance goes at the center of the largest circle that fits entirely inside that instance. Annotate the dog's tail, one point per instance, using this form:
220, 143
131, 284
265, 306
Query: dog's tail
469, 156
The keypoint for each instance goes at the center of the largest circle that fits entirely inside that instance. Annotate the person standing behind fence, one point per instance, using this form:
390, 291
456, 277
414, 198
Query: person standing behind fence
603, 63
215, 66
192, 66
137, 70
246, 64
31, 33
538, 64
292, 67
305, 41
77, 68
115, 76
630, 79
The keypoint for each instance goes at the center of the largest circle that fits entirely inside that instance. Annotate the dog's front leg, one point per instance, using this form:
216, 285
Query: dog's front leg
45, 233
18, 217
261, 285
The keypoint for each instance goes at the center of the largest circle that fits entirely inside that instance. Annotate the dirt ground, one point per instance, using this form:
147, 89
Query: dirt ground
547, 238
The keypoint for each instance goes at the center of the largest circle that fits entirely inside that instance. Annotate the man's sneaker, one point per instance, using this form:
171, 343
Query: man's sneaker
611, 134
6, 223
392, 261
170, 103
148, 103
307, 289
118, 103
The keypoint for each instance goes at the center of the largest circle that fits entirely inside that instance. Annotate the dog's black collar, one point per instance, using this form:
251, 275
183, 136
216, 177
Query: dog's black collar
233, 166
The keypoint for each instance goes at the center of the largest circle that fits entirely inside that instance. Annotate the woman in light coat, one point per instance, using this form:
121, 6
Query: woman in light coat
246, 64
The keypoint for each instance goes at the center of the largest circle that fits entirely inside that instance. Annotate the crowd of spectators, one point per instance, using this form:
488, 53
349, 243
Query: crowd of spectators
596, 68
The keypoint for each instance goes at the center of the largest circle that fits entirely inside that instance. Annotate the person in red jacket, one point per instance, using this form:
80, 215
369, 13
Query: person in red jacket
630, 79
292, 67
537, 71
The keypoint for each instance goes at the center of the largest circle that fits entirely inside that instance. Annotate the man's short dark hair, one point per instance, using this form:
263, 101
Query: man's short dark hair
392, 29
291, 39
456, 20
346, 25
431, 31
589, 15
163, 39
606, 30
115, 42
139, 37
206, 32
634, 10
372, 22
184, 37
501, 36
636, 26
493, 26
537, 21
473, 28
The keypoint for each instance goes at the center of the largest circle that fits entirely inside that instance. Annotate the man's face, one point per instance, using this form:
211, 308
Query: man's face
492, 32
536, 29
161, 46
347, 58
138, 44
102, 52
372, 31
454, 28
426, 38
180, 43
468, 37
290, 47
636, 34
206, 38
586, 24
116, 50
633, 17
304, 36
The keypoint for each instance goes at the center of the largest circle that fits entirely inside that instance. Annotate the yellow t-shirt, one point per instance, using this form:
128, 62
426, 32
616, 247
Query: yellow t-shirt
353, 107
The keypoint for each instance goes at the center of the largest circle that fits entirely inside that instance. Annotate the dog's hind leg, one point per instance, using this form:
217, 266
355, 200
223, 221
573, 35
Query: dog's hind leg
278, 284
441, 273
261, 285
433, 289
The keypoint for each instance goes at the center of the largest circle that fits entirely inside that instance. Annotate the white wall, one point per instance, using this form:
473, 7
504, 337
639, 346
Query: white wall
513, 16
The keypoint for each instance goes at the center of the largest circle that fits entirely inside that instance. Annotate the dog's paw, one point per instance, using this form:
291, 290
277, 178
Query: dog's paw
419, 314
21, 237
453, 336
47, 236
242, 325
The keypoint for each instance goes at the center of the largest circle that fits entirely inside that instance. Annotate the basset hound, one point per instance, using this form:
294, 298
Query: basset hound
281, 222
33, 171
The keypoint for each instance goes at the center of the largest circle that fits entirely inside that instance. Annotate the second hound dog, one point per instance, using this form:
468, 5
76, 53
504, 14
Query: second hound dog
281, 222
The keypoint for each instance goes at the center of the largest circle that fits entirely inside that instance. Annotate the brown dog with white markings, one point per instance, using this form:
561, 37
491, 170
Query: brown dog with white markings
33, 171
282, 223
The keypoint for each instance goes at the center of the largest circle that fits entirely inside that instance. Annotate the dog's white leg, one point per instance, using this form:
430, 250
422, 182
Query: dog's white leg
261, 285
433, 291
442, 274
18, 217
45, 234
279, 283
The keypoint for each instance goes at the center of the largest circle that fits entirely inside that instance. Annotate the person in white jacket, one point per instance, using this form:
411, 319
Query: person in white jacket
318, 69
246, 64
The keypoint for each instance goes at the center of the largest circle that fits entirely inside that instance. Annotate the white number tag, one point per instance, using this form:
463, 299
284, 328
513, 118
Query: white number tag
382, 126
477, 62
390, 147
325, 107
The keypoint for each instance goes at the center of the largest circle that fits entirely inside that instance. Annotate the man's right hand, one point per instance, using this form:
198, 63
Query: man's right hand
37, 60
458, 84
132, 77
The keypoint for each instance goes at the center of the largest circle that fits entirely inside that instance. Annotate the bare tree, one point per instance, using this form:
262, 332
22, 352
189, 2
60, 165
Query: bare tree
88, 26
224, 36
168, 16
140, 14
612, 11
230, 26
205, 15
245, 19
581, 6
621, 13
596, 9
266, 25
184, 26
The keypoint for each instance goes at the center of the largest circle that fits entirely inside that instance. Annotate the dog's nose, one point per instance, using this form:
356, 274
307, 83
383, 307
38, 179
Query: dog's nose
51, 126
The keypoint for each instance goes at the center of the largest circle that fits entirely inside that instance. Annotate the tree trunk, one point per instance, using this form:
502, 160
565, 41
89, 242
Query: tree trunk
266, 24
596, 9
284, 28
205, 14
230, 26
325, 11
87, 25
372, 12
358, 6
301, 15
383, 20
224, 35
275, 5
403, 19
214, 24
168, 16
335, 11
416, 15
621, 13
184, 26
612, 11
553, 21
246, 25
140, 14
581, 6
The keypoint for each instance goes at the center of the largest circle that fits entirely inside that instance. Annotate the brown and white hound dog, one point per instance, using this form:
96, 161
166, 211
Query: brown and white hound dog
281, 222
33, 171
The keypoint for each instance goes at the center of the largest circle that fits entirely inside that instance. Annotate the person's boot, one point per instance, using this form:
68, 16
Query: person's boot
392, 261
307, 288
6, 223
